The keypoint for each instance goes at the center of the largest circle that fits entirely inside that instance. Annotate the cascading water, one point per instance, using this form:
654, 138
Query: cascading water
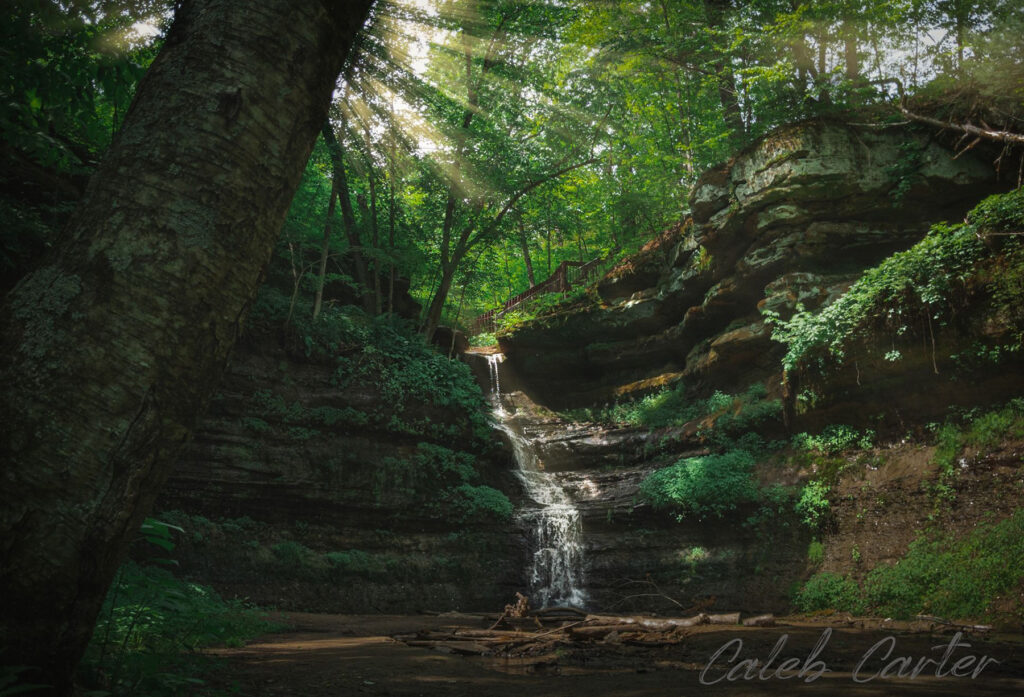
554, 523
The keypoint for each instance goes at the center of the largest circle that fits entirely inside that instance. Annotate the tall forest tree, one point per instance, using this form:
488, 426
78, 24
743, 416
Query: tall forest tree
113, 344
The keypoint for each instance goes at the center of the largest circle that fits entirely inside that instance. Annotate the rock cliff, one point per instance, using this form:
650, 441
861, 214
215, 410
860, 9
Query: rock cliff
795, 218
302, 492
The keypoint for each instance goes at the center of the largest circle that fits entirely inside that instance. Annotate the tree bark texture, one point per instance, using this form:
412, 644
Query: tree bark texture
113, 346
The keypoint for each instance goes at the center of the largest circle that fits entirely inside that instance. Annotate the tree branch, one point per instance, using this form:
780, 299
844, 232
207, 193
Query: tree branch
965, 128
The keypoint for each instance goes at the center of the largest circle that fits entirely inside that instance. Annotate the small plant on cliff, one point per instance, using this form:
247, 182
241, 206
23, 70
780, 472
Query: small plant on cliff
480, 503
813, 505
815, 552
834, 439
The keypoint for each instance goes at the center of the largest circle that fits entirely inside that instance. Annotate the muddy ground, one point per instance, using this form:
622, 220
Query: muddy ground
326, 655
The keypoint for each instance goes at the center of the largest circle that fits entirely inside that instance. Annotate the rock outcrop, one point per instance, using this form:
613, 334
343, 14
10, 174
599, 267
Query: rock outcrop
793, 219
300, 493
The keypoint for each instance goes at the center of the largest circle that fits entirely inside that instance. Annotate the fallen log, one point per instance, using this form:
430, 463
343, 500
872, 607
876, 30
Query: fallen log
559, 610
656, 623
760, 621
955, 625
730, 618
602, 630
467, 648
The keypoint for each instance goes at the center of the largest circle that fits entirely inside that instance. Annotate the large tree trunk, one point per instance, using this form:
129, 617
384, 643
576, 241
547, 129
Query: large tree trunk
114, 344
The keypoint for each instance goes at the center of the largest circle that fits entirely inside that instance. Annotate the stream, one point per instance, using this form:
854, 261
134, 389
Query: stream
551, 519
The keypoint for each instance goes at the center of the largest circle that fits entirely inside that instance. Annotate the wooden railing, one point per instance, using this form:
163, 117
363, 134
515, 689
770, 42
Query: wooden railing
568, 275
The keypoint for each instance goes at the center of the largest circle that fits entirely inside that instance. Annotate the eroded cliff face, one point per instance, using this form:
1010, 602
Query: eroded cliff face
793, 219
302, 492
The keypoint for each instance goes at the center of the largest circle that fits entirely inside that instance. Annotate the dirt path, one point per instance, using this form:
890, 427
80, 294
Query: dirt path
327, 655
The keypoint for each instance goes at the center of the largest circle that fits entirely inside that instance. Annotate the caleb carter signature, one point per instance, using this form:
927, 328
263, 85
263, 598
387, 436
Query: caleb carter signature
877, 662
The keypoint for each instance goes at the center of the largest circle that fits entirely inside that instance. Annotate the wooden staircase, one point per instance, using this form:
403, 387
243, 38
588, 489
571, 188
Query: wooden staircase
568, 275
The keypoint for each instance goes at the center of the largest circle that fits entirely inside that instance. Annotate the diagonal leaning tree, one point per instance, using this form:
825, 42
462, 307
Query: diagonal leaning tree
112, 346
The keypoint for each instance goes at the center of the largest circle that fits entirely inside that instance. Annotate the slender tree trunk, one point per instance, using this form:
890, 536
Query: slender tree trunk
850, 59
392, 211
549, 251
325, 250
348, 216
114, 344
377, 294
509, 288
525, 245
715, 11
439, 298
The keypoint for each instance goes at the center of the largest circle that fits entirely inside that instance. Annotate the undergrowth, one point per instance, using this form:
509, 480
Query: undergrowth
939, 575
152, 625
673, 407
381, 355
448, 480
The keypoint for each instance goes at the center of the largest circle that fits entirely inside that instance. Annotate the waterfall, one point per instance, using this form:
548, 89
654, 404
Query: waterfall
553, 522
494, 361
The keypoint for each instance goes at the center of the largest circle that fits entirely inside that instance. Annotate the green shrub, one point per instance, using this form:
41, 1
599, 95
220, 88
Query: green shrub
734, 414
710, 485
151, 624
829, 591
291, 554
355, 562
983, 431
999, 213
476, 503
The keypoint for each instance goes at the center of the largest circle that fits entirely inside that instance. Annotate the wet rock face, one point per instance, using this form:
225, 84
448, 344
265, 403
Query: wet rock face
792, 219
